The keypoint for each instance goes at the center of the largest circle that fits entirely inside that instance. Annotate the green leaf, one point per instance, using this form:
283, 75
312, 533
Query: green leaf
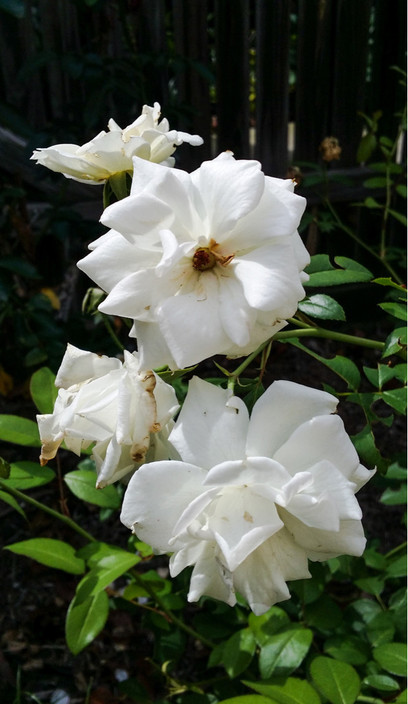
238, 652
364, 442
27, 475
376, 182
85, 620
382, 683
346, 369
397, 399
392, 657
43, 390
323, 614
248, 699
268, 624
284, 652
371, 585
397, 568
322, 307
288, 691
349, 272
50, 552
394, 497
395, 342
20, 431
106, 571
387, 281
366, 147
11, 501
380, 629
338, 681
348, 649
4, 468
82, 484
398, 310
398, 216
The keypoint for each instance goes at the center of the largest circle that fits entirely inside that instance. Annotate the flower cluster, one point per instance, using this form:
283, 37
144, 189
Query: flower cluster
204, 264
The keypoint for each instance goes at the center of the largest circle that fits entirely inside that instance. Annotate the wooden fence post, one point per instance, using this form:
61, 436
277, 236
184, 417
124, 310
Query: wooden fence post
272, 85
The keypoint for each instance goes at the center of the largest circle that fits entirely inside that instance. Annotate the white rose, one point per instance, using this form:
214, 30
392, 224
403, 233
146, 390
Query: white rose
111, 153
252, 499
116, 406
205, 263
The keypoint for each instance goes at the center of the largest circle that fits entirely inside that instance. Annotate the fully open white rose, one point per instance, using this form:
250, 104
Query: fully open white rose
111, 153
252, 499
124, 410
205, 263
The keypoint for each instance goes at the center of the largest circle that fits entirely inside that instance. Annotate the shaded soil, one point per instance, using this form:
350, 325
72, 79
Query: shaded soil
35, 598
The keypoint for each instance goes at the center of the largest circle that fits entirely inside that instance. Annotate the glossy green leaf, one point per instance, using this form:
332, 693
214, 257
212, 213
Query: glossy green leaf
27, 475
11, 501
20, 431
238, 652
397, 310
249, 699
364, 442
82, 484
349, 272
338, 681
350, 649
382, 683
50, 552
387, 281
395, 341
397, 399
268, 624
43, 390
322, 307
380, 629
284, 652
286, 691
85, 620
392, 657
105, 572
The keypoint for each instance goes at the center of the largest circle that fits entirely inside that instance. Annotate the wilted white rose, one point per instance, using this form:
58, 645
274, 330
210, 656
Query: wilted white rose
124, 410
111, 153
204, 263
253, 499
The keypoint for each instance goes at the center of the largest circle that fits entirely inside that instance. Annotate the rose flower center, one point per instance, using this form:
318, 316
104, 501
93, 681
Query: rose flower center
204, 259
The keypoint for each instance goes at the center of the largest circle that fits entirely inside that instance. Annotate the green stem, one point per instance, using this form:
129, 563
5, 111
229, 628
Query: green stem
178, 622
64, 519
232, 380
111, 332
330, 335
361, 242
106, 194
395, 550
